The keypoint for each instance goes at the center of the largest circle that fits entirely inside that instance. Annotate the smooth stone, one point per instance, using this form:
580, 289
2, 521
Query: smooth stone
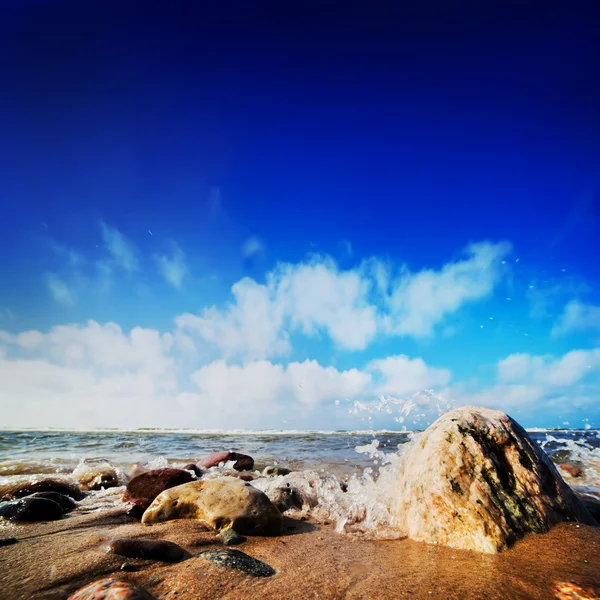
274, 471
475, 480
571, 469
19, 490
147, 549
8, 541
243, 462
143, 489
195, 469
65, 502
127, 566
222, 503
231, 537
97, 478
285, 498
111, 589
31, 509
236, 559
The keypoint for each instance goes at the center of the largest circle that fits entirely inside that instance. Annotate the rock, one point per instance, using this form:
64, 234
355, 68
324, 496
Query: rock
195, 469
275, 470
96, 477
31, 509
475, 480
138, 469
243, 462
592, 504
231, 538
571, 469
8, 541
147, 549
235, 559
111, 589
565, 590
142, 490
19, 490
127, 566
221, 503
65, 502
285, 498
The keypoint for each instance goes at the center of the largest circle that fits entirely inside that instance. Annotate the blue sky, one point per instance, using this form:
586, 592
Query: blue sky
298, 217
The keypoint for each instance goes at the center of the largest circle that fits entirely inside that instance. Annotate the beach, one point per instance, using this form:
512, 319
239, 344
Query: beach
315, 557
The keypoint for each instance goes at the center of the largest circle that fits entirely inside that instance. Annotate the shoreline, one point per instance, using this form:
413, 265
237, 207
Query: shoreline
51, 560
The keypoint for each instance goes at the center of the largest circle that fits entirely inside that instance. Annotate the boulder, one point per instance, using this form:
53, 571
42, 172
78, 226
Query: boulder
243, 462
111, 589
142, 490
222, 503
475, 480
147, 549
31, 509
18, 490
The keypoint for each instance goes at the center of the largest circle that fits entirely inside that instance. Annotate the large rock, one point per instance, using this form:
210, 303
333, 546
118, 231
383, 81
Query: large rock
475, 480
142, 490
221, 503
243, 462
111, 589
18, 490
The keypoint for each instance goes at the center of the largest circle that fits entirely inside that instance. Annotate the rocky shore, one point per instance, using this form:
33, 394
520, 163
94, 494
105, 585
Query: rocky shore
466, 504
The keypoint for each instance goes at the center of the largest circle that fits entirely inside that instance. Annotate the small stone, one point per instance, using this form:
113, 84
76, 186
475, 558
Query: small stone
96, 477
147, 549
9, 492
143, 489
128, 567
198, 472
221, 503
285, 498
243, 462
274, 471
8, 541
65, 502
230, 537
111, 589
571, 469
235, 559
31, 509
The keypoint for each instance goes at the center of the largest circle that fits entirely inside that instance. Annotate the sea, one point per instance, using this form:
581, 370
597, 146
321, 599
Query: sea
318, 457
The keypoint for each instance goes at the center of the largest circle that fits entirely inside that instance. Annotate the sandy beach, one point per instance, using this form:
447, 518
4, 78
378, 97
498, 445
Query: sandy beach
52, 560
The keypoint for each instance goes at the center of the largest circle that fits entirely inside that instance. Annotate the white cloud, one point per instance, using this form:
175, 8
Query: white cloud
578, 316
59, 290
401, 375
122, 250
419, 301
173, 268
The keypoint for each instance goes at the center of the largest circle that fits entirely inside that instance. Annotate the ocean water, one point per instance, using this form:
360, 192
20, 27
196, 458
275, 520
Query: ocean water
365, 460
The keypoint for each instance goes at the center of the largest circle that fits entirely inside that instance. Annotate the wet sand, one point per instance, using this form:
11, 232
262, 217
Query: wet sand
51, 560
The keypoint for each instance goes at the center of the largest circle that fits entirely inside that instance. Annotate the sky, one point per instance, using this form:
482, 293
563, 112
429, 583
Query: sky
299, 215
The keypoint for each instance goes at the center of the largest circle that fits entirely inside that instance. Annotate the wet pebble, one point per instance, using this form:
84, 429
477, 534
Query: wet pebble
236, 559
147, 549
285, 498
231, 537
45, 485
274, 471
194, 469
127, 566
111, 589
8, 541
31, 509
65, 502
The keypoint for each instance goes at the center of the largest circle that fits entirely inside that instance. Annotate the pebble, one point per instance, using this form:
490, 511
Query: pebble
273, 471
8, 541
65, 502
31, 509
45, 485
111, 589
231, 537
147, 549
236, 559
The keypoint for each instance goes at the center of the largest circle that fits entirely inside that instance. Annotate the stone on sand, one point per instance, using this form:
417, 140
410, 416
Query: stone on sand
235, 559
222, 503
111, 589
96, 477
18, 490
142, 490
31, 509
147, 549
243, 462
475, 480
65, 502
274, 471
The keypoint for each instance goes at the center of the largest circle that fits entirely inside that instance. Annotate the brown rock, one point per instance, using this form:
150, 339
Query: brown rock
147, 549
222, 503
19, 490
571, 469
97, 478
143, 489
111, 589
194, 469
243, 462
475, 480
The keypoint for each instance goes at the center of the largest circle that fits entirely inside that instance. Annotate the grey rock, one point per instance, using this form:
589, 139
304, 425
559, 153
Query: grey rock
235, 559
231, 537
